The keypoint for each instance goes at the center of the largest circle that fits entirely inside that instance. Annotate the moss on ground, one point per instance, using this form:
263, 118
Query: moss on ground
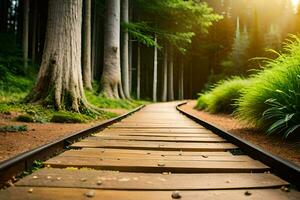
65, 117
11, 101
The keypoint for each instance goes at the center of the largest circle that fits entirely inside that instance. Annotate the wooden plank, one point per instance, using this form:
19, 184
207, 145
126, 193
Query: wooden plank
154, 145
154, 126
148, 181
128, 156
160, 166
157, 135
152, 152
163, 139
44, 193
159, 122
149, 120
149, 130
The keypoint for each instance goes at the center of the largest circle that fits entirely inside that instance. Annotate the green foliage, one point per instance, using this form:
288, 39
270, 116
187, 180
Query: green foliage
36, 165
175, 21
13, 88
222, 98
103, 102
273, 100
142, 32
13, 128
25, 118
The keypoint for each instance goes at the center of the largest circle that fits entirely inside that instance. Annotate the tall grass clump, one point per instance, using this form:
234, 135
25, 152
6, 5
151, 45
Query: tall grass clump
273, 100
103, 102
222, 98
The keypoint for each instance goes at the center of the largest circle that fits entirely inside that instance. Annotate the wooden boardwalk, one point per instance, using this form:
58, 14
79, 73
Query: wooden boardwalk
156, 153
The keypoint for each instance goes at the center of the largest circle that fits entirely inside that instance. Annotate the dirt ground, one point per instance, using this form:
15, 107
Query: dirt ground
289, 150
14, 143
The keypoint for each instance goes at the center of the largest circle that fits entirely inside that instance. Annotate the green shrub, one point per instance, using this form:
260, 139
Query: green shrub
273, 100
222, 98
13, 128
25, 118
64, 117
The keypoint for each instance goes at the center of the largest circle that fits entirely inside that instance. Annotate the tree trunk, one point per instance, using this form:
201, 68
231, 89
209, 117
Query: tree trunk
180, 79
34, 32
125, 53
165, 75
94, 41
130, 48
86, 57
86, 54
25, 33
111, 76
155, 72
171, 75
60, 81
138, 73
130, 64
191, 81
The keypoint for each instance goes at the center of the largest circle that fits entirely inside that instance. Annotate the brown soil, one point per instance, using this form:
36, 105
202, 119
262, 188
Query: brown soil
289, 150
14, 143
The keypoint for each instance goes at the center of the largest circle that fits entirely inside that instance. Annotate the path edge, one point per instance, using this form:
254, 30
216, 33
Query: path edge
14, 166
283, 168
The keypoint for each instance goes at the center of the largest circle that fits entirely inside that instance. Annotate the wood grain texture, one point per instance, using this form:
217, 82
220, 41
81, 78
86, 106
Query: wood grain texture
44, 193
147, 181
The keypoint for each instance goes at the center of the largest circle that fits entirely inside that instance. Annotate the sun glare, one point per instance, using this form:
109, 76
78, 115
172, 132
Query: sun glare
295, 2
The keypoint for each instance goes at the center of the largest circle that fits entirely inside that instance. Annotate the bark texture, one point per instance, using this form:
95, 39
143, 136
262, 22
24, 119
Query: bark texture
125, 50
94, 41
111, 76
34, 31
25, 32
171, 74
154, 94
165, 75
86, 57
60, 80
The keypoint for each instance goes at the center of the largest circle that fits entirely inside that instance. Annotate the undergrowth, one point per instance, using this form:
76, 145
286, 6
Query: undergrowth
103, 102
223, 96
13, 89
13, 128
16, 83
273, 100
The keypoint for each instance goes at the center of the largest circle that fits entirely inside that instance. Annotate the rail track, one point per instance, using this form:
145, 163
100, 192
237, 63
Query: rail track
157, 153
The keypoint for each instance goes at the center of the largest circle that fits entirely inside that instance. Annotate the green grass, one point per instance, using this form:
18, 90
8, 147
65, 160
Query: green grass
223, 96
13, 128
103, 102
273, 100
39, 114
14, 88
36, 165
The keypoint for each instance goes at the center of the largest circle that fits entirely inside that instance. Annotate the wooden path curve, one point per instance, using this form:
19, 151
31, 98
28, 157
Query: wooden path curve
156, 153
